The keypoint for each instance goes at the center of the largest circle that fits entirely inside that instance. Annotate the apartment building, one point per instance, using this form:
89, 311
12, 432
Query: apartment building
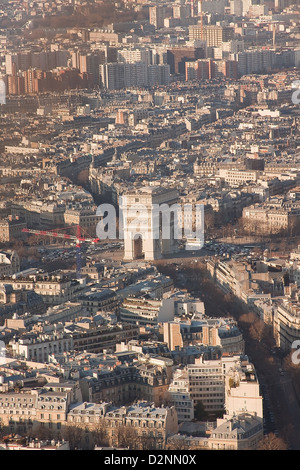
243, 432
210, 6
238, 177
208, 69
226, 335
226, 384
9, 263
37, 347
158, 75
121, 75
99, 301
157, 15
105, 35
134, 55
266, 217
117, 76
231, 276
286, 324
147, 379
11, 229
146, 420
44, 60
172, 335
25, 411
242, 391
86, 218
204, 167
54, 290
61, 313
39, 214
177, 57
98, 339
89, 63
219, 333
93, 271
146, 311
254, 61
213, 35
207, 384
178, 395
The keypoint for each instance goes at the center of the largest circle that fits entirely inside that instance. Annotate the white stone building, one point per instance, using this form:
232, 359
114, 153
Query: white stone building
179, 396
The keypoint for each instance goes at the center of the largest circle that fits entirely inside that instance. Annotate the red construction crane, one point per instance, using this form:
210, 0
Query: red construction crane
78, 238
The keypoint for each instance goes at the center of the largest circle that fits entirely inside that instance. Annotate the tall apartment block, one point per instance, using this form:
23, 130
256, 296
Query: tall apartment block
117, 76
157, 15
89, 63
178, 56
213, 35
211, 6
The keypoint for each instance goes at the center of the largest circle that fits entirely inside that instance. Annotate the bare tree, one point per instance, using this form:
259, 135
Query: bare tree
272, 442
41, 432
126, 436
83, 178
74, 435
99, 433
257, 330
167, 399
178, 443
147, 442
3, 429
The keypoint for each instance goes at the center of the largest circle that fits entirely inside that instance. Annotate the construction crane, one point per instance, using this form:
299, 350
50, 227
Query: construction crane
274, 35
201, 18
79, 239
192, 8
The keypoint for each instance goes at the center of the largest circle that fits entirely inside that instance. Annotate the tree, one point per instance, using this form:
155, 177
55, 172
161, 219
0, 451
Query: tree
272, 442
148, 442
100, 434
200, 412
178, 443
232, 383
83, 178
247, 319
74, 435
41, 433
127, 437
257, 330
2, 429
209, 222
167, 399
